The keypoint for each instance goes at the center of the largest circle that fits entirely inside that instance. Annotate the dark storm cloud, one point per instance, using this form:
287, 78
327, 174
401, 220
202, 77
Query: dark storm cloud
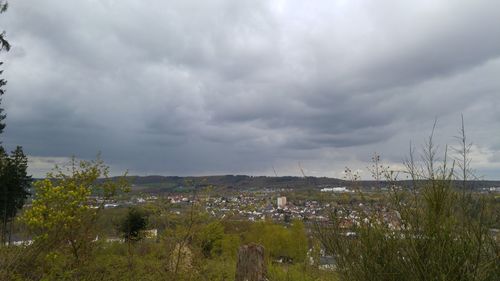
190, 87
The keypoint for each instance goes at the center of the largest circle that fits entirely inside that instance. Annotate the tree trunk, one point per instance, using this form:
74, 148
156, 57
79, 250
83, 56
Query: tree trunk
4, 220
10, 230
251, 265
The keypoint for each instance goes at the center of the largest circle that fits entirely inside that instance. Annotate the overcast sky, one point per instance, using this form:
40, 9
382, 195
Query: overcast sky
194, 87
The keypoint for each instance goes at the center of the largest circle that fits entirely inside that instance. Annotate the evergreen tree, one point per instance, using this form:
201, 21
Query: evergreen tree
14, 184
133, 224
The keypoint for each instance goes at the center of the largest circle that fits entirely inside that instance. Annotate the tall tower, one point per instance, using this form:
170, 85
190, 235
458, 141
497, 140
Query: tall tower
281, 202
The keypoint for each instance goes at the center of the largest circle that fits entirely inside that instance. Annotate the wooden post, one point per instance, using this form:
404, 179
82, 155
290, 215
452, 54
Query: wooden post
251, 265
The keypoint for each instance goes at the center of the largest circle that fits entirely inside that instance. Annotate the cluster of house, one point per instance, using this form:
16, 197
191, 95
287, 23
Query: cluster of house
493, 189
134, 200
253, 208
270, 204
278, 208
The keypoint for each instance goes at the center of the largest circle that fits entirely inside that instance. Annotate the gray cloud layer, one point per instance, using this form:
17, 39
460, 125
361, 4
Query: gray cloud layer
201, 87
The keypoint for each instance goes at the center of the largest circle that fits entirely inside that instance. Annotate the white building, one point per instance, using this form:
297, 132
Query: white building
281, 202
335, 189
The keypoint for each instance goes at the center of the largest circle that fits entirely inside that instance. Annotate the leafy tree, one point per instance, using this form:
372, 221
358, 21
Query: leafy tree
67, 204
280, 242
131, 228
298, 241
15, 183
210, 239
133, 224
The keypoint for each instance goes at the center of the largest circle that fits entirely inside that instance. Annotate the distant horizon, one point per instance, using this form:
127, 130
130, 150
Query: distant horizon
273, 176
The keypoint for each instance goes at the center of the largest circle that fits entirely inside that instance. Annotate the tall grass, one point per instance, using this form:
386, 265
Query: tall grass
443, 232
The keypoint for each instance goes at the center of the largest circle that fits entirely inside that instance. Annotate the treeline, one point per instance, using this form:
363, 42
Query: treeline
166, 184
159, 184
